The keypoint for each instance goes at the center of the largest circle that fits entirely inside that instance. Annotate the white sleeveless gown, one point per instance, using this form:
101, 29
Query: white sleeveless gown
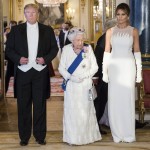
121, 88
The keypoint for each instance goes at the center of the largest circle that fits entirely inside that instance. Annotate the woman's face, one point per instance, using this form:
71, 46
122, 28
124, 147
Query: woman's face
78, 41
122, 17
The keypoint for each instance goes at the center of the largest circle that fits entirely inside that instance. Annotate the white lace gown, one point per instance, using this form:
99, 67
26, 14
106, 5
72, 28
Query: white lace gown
121, 88
79, 120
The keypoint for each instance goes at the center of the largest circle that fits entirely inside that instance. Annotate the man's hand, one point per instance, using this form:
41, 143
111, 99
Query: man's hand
40, 60
95, 81
23, 60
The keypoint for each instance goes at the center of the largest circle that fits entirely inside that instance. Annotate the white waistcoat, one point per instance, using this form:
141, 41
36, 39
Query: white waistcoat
33, 40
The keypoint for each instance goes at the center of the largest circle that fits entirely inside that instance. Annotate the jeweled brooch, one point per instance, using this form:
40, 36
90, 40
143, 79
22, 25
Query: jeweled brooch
83, 55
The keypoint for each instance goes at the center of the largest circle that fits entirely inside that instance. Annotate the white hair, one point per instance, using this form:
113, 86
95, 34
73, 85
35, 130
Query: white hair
74, 32
110, 23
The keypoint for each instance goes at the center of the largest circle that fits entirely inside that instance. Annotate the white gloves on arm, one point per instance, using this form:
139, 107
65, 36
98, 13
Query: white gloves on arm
84, 75
63, 71
138, 61
76, 79
105, 66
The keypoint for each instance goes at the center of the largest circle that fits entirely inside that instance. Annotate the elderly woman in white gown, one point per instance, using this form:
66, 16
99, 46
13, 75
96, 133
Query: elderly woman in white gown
79, 121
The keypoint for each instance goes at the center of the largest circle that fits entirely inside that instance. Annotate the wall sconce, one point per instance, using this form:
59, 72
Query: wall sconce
70, 13
107, 11
97, 10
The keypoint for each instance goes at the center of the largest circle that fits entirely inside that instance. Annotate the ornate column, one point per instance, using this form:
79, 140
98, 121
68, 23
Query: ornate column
140, 18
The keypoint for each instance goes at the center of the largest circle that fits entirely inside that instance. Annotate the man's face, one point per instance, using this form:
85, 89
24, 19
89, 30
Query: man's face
31, 15
63, 26
66, 27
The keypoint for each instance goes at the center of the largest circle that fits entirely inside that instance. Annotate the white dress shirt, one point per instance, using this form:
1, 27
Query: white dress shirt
33, 40
65, 37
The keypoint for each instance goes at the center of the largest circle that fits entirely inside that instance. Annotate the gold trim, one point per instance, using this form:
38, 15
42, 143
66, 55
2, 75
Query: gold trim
146, 55
145, 68
141, 95
91, 21
65, 7
11, 9
146, 62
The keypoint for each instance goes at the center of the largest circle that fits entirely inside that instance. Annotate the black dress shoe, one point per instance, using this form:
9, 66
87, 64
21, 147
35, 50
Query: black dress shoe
23, 143
102, 131
41, 142
139, 125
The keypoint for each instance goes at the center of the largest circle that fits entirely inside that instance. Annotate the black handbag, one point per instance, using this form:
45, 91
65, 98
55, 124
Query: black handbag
64, 84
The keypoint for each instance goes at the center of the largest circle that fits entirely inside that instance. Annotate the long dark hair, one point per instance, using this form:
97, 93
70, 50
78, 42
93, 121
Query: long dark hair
124, 7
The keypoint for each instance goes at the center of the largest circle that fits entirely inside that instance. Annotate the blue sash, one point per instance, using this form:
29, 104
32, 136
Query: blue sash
72, 68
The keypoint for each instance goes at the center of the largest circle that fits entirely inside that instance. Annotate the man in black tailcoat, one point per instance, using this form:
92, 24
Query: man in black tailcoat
101, 86
31, 46
63, 36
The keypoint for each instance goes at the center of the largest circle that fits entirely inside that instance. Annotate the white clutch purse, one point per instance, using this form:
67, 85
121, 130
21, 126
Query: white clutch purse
92, 93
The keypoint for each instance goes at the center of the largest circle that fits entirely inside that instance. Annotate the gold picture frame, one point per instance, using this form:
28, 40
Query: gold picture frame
97, 26
107, 13
109, 7
53, 16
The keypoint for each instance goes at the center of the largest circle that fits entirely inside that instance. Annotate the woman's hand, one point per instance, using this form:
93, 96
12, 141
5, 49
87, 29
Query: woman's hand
76, 79
95, 81
85, 49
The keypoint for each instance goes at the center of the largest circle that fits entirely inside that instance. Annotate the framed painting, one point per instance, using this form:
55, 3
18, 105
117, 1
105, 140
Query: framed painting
97, 26
53, 16
109, 9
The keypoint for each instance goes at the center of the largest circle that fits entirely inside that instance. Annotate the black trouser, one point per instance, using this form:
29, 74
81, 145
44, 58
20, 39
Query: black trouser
31, 86
101, 100
9, 74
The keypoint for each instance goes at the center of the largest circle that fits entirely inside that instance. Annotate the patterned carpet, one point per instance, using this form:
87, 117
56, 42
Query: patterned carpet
142, 135
56, 89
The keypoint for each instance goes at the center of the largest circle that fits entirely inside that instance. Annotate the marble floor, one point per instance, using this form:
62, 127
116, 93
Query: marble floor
9, 139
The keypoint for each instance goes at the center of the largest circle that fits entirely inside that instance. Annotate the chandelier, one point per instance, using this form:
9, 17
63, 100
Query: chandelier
53, 3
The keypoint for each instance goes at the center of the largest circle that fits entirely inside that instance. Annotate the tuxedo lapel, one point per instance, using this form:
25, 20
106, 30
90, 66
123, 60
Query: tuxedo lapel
24, 35
62, 37
41, 34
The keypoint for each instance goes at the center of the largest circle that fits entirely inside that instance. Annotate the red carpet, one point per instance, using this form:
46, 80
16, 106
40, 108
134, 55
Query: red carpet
56, 82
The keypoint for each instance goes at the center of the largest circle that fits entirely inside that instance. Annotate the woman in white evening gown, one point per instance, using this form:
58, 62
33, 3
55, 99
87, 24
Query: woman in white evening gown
121, 69
79, 121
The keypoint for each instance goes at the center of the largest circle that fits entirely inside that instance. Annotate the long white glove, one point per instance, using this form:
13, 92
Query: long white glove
105, 66
138, 61
76, 79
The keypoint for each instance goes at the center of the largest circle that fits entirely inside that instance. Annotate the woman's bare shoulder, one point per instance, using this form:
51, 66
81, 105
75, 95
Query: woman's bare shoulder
109, 32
